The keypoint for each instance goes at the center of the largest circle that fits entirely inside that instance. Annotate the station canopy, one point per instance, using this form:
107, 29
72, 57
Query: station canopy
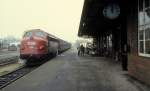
100, 16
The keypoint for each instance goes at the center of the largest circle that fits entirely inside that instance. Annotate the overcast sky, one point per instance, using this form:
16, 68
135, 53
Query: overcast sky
58, 17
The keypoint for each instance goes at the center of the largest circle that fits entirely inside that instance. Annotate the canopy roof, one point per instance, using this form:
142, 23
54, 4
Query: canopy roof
94, 23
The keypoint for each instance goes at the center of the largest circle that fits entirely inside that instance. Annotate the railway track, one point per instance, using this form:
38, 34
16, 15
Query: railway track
13, 76
16, 74
6, 61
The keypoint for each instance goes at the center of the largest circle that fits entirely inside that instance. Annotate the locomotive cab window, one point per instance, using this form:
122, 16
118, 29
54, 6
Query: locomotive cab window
28, 34
40, 34
144, 28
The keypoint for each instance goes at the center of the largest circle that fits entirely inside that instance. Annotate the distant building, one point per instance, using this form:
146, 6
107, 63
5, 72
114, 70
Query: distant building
5, 42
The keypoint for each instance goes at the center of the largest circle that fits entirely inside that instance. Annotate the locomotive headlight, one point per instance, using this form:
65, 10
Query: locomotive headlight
41, 47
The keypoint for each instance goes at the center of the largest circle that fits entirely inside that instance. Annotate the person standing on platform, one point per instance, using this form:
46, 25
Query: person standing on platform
81, 50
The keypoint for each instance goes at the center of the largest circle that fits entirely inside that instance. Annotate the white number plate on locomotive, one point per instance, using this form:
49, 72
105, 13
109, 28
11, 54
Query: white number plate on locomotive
31, 47
31, 43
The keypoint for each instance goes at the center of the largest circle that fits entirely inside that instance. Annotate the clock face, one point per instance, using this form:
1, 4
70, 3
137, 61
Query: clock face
112, 11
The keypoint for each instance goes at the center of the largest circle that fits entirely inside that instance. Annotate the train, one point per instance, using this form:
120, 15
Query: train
36, 45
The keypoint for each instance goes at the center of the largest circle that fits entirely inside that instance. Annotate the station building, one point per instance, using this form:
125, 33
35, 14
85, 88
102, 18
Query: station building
121, 30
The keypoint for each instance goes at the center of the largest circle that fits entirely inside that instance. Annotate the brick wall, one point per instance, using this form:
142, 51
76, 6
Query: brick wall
138, 66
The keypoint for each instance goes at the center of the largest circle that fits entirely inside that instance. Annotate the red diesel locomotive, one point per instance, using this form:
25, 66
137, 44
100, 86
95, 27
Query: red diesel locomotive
37, 45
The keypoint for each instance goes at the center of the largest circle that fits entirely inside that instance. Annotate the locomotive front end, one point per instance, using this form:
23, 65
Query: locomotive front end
34, 45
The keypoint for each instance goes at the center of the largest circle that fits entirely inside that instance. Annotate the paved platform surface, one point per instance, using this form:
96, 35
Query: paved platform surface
68, 72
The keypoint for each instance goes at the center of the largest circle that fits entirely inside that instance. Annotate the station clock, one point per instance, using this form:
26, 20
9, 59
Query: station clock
111, 11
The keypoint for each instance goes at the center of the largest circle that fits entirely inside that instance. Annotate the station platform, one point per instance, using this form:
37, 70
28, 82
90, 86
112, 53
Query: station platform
69, 72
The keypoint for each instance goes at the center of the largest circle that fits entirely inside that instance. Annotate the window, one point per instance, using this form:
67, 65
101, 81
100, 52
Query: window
28, 34
144, 27
40, 34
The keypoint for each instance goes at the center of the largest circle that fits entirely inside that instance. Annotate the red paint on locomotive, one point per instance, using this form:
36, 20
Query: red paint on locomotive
34, 44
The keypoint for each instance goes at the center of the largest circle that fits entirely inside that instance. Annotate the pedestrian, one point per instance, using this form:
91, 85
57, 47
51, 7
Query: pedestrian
82, 50
78, 48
